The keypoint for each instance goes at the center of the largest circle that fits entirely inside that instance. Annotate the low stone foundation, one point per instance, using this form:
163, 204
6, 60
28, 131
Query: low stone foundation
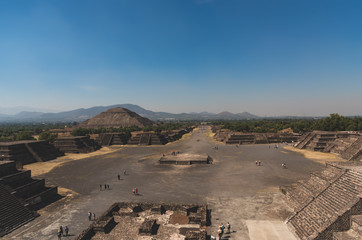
186, 159
162, 221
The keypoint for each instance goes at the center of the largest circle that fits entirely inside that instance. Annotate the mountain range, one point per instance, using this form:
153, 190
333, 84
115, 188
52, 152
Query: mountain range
82, 114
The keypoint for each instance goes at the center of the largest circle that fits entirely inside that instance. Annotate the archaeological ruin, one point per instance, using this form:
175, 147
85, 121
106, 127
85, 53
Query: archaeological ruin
80, 144
159, 220
25, 152
185, 159
20, 196
108, 139
347, 145
230, 137
327, 206
116, 118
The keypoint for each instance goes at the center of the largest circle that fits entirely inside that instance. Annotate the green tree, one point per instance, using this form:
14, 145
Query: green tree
47, 136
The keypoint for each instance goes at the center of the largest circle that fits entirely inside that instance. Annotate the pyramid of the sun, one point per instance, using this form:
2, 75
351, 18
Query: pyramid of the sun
115, 118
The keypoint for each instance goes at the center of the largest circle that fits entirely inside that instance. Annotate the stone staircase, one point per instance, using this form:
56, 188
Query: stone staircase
32, 192
347, 145
324, 202
355, 231
354, 151
148, 139
13, 213
25, 152
305, 139
107, 139
241, 139
81, 144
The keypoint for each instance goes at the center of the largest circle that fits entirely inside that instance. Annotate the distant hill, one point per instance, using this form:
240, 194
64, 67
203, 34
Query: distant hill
82, 114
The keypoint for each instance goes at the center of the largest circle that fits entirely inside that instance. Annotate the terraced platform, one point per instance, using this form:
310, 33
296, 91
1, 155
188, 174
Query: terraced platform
325, 203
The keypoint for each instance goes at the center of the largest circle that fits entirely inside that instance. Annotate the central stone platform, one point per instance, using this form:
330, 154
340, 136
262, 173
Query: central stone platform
186, 159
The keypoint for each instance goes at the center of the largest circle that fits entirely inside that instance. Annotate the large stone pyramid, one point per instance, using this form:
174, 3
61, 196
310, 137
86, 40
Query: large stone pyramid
116, 117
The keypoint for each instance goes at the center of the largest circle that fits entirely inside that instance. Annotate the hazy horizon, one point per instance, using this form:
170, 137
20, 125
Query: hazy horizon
268, 58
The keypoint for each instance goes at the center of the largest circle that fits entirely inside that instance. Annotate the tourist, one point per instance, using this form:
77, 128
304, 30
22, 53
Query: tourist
256, 163
94, 216
228, 227
89, 216
100, 187
219, 233
259, 163
222, 227
61, 230
66, 229
59, 234
105, 186
133, 191
119, 176
108, 186
136, 191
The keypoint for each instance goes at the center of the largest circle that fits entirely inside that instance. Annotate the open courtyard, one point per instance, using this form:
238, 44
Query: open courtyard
235, 189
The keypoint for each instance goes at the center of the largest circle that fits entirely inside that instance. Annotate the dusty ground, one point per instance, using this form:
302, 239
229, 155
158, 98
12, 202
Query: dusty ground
319, 157
39, 168
235, 189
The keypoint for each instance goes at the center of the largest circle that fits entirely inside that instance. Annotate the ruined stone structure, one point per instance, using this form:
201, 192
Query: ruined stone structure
175, 134
257, 138
107, 139
81, 144
345, 144
185, 159
163, 221
32, 192
24, 152
148, 138
116, 118
13, 213
325, 203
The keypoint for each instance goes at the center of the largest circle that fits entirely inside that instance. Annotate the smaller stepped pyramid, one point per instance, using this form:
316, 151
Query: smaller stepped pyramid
116, 118
325, 204
24, 152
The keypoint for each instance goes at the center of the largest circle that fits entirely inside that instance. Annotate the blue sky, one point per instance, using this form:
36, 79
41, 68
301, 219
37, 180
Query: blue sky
265, 57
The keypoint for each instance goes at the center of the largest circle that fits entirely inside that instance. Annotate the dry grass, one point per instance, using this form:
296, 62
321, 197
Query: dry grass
40, 168
319, 157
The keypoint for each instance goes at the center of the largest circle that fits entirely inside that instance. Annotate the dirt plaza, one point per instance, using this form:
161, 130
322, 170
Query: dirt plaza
233, 186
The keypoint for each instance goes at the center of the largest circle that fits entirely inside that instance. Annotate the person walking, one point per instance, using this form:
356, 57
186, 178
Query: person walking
59, 234
219, 234
61, 230
89, 216
228, 227
66, 229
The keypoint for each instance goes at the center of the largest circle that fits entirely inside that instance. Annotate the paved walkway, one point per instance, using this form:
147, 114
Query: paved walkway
268, 230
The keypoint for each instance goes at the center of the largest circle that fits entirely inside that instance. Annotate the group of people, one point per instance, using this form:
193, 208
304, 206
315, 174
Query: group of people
135, 191
221, 230
61, 232
106, 186
90, 214
258, 163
